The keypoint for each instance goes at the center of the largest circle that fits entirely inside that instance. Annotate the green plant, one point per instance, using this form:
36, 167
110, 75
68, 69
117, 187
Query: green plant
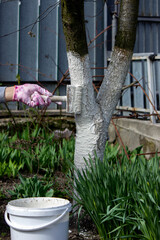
121, 196
148, 216
3, 169
147, 201
2, 194
66, 153
9, 169
31, 187
34, 149
10, 160
14, 168
50, 162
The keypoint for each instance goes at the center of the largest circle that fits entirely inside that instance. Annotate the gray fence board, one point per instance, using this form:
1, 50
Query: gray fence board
48, 41
29, 11
149, 8
155, 9
155, 46
144, 82
157, 71
9, 20
155, 84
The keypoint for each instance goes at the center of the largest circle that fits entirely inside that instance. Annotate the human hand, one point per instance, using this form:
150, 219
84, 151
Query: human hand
30, 94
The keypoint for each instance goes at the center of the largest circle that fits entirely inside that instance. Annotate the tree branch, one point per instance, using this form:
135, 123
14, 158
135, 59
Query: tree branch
74, 26
127, 24
110, 90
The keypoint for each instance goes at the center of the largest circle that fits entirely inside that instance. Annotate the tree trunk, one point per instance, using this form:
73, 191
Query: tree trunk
93, 121
89, 123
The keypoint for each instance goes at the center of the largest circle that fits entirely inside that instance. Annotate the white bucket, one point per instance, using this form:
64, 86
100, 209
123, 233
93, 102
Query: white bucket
38, 218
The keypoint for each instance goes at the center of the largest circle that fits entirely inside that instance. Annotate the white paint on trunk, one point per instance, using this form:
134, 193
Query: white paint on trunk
89, 124
113, 81
93, 121
74, 99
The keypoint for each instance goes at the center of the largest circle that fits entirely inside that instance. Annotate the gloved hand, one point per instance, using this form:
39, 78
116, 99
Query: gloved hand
30, 94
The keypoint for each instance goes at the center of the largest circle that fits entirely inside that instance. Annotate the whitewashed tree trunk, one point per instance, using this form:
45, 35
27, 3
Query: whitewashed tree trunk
89, 123
93, 121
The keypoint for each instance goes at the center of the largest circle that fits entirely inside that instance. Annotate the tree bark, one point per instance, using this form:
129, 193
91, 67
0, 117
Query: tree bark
93, 121
89, 123
74, 26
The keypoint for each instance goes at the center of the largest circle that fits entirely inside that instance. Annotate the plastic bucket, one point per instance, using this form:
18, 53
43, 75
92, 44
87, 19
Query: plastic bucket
38, 218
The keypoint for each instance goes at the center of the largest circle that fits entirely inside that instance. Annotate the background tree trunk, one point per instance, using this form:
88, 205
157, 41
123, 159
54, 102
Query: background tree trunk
93, 121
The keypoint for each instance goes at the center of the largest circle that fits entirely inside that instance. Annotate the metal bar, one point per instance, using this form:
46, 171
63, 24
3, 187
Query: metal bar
149, 19
114, 29
114, 25
133, 109
152, 95
144, 56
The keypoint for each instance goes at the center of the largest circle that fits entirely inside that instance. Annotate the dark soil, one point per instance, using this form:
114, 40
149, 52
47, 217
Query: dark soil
85, 230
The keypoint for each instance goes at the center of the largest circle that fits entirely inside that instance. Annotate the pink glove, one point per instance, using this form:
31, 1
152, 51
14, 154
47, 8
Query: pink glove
30, 94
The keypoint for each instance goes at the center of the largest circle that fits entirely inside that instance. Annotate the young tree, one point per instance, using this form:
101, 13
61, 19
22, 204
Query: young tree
93, 120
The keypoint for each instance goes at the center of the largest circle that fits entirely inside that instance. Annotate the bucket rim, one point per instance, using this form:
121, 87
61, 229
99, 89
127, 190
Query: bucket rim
37, 211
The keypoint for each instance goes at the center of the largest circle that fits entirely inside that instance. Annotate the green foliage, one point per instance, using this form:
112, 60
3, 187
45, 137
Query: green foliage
147, 200
8, 164
147, 211
32, 187
121, 196
66, 154
14, 168
2, 194
34, 149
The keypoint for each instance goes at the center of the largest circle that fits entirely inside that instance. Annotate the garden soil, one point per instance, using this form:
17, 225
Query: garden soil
86, 229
